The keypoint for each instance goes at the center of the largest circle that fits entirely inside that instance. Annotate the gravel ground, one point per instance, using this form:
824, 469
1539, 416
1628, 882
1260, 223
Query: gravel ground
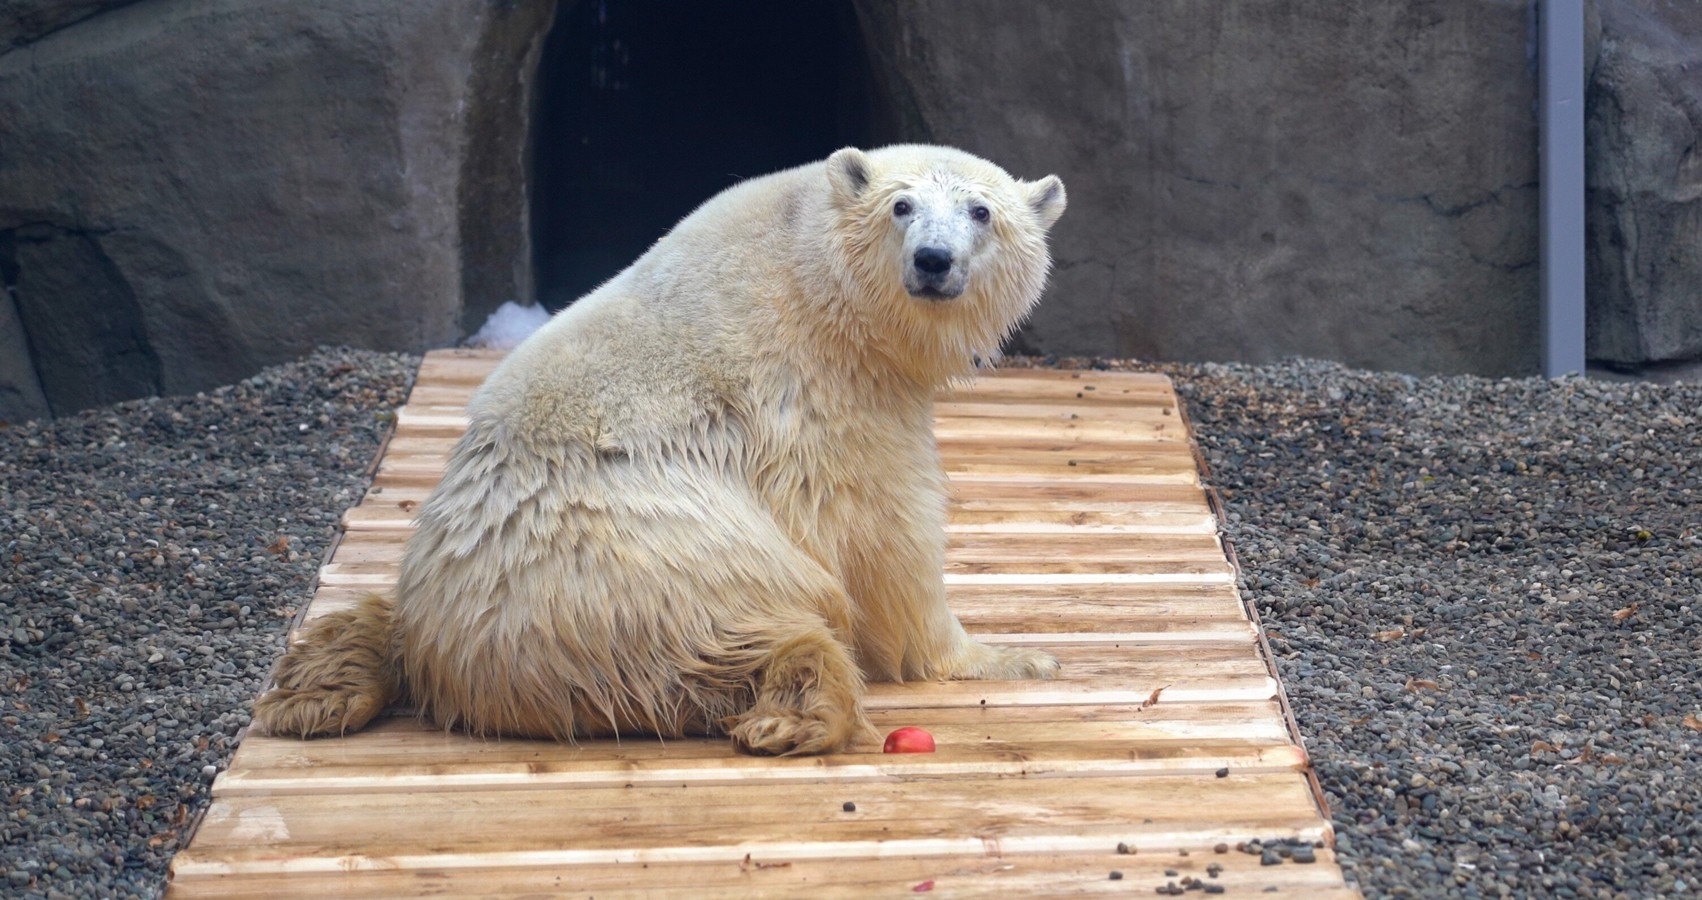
1483, 596
151, 555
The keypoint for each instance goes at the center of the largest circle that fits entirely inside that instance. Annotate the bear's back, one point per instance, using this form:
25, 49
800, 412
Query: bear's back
671, 339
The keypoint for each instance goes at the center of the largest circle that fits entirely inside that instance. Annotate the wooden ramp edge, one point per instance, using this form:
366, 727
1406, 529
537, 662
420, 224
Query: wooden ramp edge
1079, 523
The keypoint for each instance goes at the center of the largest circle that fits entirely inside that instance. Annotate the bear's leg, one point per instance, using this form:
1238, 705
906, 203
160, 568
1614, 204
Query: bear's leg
807, 695
895, 575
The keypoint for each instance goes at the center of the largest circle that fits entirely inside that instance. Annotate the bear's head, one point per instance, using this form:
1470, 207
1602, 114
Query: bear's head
949, 249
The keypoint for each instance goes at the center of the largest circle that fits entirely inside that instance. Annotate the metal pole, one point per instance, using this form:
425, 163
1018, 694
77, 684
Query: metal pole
1560, 58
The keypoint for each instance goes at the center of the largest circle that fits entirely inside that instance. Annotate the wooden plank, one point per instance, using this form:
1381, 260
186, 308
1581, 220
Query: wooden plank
1153, 464
614, 822
1143, 427
482, 359
976, 547
461, 365
1084, 376
1171, 684
406, 741
966, 428
1007, 626
1130, 613
1130, 499
965, 552
1169, 463
996, 395
420, 445
403, 754
1111, 509
452, 383
398, 511
358, 560
976, 507
1080, 604
715, 764
1102, 672
988, 874
963, 548
382, 576
472, 366
1093, 390
1106, 673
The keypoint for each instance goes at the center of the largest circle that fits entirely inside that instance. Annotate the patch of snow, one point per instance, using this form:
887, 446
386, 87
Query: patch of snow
509, 325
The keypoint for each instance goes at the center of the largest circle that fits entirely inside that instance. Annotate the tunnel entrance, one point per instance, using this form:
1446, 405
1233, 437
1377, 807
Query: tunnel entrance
646, 108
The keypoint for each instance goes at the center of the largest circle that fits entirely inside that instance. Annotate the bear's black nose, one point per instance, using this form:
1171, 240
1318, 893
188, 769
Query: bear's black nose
933, 260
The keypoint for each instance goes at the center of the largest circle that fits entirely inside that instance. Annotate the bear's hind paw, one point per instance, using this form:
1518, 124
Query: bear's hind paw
314, 713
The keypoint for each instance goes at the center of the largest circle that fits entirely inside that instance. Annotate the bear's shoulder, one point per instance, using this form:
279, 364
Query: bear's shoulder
613, 375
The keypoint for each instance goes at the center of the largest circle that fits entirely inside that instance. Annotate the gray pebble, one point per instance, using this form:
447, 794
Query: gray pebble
1484, 596
119, 528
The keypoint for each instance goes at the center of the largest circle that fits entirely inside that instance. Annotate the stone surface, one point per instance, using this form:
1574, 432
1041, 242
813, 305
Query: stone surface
21, 397
23, 21
237, 182
1253, 180
1644, 124
85, 330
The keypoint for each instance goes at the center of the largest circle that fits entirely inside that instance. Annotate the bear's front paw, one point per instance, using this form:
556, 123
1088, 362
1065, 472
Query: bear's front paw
788, 732
985, 663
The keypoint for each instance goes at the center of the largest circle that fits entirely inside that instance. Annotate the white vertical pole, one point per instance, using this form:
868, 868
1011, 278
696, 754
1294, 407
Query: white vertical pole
1560, 58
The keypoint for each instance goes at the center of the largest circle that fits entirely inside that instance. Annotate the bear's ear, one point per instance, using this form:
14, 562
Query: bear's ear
1046, 196
848, 175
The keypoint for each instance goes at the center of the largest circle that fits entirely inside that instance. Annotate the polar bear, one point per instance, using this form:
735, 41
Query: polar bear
706, 498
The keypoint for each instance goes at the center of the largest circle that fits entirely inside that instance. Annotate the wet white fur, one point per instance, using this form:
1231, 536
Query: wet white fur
706, 496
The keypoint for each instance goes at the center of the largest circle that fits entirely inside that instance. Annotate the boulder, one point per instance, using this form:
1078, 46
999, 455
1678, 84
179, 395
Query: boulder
207, 188
1644, 218
1252, 180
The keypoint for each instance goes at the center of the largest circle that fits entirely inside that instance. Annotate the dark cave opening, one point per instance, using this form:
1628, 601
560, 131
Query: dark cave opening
647, 108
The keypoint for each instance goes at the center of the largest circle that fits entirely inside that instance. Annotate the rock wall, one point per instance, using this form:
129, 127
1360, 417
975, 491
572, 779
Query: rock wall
1644, 161
1253, 180
192, 190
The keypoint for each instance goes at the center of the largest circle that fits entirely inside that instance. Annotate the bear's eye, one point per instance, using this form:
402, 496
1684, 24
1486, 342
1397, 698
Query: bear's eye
901, 208
980, 213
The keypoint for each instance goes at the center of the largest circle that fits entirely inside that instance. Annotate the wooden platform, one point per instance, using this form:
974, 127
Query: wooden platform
1079, 523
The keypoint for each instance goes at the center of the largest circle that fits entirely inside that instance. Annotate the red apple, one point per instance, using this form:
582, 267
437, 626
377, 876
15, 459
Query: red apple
909, 739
